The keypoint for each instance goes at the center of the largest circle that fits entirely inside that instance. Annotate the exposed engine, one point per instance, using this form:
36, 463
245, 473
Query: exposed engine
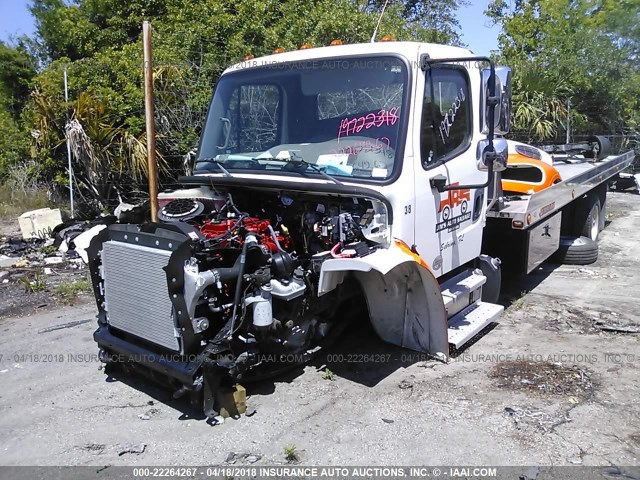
241, 270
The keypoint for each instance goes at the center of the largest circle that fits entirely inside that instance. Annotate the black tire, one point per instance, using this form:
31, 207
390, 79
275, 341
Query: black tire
586, 217
591, 224
576, 251
602, 148
603, 207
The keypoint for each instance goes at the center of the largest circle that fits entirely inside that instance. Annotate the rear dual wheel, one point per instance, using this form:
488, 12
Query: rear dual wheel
581, 247
576, 251
591, 226
590, 214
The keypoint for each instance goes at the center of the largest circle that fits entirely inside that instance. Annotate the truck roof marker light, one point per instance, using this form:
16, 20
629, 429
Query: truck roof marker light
528, 219
278, 50
305, 46
387, 38
249, 57
337, 41
517, 224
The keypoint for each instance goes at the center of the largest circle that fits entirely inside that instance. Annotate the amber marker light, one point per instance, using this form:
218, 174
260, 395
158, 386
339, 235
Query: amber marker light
407, 249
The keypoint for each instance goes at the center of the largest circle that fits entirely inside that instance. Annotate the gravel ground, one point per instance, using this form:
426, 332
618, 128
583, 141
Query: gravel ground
554, 383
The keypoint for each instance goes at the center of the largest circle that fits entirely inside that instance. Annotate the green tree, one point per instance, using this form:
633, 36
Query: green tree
589, 46
99, 43
17, 69
436, 19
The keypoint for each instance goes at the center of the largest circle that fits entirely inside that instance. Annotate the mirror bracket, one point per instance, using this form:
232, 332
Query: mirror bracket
438, 182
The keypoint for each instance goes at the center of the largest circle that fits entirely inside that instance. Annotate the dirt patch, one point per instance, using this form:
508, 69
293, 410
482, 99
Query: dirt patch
560, 317
35, 276
94, 448
9, 227
543, 378
29, 290
634, 438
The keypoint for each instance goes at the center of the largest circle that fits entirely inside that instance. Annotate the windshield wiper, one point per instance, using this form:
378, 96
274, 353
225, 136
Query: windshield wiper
296, 159
225, 172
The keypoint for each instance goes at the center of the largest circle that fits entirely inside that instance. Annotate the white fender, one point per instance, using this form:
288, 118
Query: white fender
404, 298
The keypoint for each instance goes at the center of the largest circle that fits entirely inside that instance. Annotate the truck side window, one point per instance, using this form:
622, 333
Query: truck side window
446, 116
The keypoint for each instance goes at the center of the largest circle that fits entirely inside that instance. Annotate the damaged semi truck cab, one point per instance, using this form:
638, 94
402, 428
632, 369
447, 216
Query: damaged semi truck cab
326, 179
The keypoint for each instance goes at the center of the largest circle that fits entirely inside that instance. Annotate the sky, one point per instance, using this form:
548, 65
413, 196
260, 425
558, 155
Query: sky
15, 19
477, 33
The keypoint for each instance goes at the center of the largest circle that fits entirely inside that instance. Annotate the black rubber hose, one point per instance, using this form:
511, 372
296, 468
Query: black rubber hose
236, 298
243, 263
230, 273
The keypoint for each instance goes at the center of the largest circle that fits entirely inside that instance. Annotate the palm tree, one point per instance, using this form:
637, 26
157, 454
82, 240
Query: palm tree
539, 102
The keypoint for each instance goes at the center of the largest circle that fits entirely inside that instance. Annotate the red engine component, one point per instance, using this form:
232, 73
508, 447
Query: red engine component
212, 229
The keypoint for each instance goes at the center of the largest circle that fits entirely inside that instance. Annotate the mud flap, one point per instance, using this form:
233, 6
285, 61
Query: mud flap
403, 297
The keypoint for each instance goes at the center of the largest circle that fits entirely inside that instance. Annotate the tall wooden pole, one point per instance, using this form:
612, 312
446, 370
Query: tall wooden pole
69, 164
149, 114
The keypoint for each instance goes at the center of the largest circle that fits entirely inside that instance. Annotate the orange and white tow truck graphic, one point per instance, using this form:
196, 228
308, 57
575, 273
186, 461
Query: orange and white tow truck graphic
448, 208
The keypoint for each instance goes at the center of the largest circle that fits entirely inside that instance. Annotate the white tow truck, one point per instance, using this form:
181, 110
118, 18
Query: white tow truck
333, 177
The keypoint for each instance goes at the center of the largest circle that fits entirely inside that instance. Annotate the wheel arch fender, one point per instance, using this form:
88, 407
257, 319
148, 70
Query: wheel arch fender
403, 297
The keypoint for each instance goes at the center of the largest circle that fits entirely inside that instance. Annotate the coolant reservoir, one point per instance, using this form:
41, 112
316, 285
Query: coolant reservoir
289, 290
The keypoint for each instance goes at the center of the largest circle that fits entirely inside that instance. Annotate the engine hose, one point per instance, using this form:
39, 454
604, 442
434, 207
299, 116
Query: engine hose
233, 205
335, 254
275, 238
236, 297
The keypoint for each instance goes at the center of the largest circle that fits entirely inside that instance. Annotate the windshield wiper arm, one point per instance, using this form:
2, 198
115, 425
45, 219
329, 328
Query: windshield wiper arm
297, 159
225, 172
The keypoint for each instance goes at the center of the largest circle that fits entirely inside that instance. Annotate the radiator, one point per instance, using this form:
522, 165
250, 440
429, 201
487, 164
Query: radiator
136, 296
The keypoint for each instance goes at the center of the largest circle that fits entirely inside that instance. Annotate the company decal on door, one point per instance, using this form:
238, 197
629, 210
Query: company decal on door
455, 209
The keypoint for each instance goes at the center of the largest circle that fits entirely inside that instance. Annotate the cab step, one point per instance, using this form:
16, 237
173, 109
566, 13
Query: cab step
462, 290
469, 321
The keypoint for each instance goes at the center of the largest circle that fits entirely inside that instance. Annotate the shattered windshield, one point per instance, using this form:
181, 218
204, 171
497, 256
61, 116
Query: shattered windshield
341, 116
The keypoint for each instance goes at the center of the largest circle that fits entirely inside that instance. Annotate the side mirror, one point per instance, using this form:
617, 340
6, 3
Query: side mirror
504, 74
486, 108
498, 156
502, 111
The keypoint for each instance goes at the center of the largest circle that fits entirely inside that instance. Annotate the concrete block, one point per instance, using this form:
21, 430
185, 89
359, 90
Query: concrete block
39, 223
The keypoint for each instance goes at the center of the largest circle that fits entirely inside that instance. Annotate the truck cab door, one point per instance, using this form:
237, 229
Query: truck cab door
449, 224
